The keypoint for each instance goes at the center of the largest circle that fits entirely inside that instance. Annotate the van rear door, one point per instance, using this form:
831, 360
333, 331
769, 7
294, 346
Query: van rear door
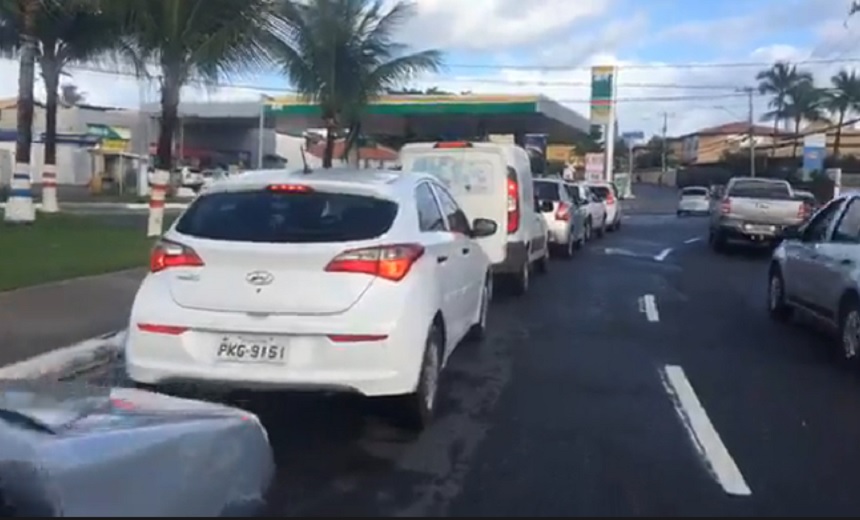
477, 178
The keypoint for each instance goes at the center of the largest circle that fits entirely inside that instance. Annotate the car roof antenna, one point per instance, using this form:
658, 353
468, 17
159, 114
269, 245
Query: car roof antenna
305, 168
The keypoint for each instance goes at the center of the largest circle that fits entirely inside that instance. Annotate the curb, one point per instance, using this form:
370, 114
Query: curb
68, 361
109, 205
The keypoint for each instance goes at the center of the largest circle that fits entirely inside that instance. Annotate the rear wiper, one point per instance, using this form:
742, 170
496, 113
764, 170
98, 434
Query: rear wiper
25, 421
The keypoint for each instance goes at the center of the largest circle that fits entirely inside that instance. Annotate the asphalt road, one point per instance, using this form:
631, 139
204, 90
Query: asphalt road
643, 377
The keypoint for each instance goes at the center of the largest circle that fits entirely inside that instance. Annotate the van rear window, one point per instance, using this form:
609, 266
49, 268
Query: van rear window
264, 216
464, 172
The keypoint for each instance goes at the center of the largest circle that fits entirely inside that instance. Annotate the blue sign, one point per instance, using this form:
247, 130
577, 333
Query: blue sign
637, 135
813, 160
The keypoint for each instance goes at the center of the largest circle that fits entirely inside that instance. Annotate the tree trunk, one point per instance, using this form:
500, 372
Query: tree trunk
775, 132
170, 90
797, 122
837, 142
19, 208
328, 153
51, 76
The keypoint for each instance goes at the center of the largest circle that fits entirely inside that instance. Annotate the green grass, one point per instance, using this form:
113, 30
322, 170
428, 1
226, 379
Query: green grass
59, 247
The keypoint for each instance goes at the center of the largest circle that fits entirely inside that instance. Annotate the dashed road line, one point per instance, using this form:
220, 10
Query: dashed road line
663, 254
648, 305
692, 240
702, 433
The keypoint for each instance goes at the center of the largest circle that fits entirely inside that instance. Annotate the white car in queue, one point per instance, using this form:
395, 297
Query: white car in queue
356, 280
694, 200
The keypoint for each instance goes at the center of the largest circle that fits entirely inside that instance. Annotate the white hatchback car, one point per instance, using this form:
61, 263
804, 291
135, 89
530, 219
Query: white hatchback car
352, 280
694, 200
607, 192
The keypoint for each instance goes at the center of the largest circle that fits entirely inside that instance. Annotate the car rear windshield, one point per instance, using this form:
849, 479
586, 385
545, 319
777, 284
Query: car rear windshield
694, 192
760, 190
546, 191
464, 172
602, 192
265, 216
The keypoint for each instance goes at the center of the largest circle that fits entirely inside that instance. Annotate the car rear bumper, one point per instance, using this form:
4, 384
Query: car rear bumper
516, 254
385, 361
751, 232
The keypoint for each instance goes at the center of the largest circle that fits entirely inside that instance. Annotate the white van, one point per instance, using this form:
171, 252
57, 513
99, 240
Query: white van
494, 181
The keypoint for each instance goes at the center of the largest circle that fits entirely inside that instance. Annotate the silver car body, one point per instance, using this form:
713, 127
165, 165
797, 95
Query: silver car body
822, 267
566, 221
74, 450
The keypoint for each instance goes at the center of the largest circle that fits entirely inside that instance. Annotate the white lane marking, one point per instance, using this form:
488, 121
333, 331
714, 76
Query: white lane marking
648, 305
663, 254
692, 240
705, 438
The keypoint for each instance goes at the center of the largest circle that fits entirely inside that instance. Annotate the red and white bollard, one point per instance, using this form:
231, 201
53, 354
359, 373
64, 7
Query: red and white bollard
49, 189
157, 196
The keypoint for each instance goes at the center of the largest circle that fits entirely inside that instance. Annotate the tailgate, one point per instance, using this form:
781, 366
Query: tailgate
765, 211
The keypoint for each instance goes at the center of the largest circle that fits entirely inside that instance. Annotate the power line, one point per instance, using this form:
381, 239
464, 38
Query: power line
651, 66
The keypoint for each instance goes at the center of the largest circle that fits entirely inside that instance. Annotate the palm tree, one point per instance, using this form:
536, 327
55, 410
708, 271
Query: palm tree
19, 208
195, 40
778, 81
71, 96
342, 55
804, 102
841, 100
69, 32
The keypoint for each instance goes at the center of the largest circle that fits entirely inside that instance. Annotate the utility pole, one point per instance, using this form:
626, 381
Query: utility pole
665, 151
751, 119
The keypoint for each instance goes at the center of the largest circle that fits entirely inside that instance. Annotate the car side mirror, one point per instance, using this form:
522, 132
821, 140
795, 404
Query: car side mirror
545, 206
484, 227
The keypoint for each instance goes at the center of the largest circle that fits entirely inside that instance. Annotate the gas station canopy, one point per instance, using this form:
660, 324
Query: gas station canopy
450, 116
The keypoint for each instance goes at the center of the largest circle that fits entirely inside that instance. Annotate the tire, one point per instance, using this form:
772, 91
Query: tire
681, 213
479, 330
415, 411
521, 281
777, 307
569, 247
849, 330
601, 232
618, 224
586, 234
717, 241
542, 264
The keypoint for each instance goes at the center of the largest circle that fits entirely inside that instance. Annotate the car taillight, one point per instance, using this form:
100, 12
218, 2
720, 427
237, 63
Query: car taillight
563, 211
726, 207
804, 211
610, 198
154, 328
513, 201
390, 262
167, 254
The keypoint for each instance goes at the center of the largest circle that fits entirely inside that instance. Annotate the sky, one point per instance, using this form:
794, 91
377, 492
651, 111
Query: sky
683, 59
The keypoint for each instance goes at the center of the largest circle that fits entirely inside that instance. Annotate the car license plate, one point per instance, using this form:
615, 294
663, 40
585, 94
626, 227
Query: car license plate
241, 349
761, 230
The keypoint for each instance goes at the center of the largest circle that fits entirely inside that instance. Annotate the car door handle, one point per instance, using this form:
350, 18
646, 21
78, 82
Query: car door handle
466, 250
441, 259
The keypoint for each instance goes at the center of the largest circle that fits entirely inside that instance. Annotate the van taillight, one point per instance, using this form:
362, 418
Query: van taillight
167, 254
726, 207
563, 212
513, 201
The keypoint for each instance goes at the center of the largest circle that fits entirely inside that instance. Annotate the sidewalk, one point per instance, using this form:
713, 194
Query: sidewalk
39, 319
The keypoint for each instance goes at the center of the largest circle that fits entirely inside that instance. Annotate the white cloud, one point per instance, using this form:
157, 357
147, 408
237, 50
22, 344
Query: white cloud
694, 97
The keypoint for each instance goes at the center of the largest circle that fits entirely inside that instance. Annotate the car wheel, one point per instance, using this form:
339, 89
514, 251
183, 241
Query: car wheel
417, 409
542, 263
717, 241
569, 247
586, 234
521, 280
601, 231
680, 213
776, 305
849, 329
479, 330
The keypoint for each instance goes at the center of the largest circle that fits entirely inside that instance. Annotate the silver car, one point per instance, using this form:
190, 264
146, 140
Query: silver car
563, 214
816, 270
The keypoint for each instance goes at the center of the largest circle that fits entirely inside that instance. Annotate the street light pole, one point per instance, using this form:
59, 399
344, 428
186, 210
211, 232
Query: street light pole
751, 119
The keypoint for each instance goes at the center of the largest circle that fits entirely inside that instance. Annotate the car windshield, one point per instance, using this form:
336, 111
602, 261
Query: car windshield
265, 216
694, 192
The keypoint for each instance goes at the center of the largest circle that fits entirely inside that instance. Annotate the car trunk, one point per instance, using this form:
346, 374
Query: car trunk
270, 278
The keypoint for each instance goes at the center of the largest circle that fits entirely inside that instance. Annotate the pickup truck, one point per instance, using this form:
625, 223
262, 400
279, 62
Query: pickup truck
755, 211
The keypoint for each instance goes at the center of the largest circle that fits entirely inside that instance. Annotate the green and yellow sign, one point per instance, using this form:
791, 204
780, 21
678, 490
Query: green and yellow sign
602, 94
